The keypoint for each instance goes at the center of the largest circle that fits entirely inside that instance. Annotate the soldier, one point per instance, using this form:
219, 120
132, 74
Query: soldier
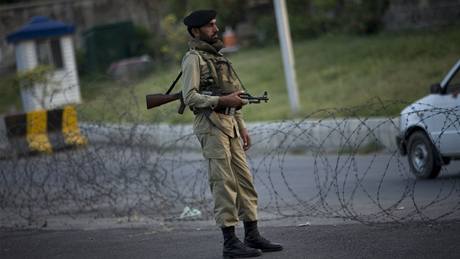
211, 89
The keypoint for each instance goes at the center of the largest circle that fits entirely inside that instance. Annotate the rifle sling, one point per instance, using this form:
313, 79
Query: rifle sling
174, 83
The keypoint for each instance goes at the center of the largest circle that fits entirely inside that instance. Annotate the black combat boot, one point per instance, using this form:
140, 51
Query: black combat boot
234, 248
252, 238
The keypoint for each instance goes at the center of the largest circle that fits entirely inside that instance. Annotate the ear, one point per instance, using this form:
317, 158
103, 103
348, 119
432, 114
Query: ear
196, 32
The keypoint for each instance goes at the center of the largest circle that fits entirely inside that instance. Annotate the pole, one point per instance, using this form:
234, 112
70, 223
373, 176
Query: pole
284, 34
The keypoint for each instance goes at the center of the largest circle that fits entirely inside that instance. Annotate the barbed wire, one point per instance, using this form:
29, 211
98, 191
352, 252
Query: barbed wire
332, 164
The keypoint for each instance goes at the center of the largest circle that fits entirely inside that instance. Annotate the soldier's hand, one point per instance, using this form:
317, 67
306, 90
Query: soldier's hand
232, 100
246, 139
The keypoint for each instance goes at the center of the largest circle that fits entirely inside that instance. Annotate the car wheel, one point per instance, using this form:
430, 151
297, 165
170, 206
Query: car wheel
423, 156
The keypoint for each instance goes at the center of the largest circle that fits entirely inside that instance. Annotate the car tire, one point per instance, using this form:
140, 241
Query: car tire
423, 157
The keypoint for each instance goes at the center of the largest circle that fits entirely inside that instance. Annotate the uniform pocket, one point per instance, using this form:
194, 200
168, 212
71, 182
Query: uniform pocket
213, 145
223, 68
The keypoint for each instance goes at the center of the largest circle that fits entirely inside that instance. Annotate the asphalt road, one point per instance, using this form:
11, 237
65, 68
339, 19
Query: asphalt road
304, 202
375, 187
327, 241
318, 188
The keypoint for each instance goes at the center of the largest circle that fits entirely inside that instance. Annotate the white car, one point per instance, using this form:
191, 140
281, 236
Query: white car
430, 127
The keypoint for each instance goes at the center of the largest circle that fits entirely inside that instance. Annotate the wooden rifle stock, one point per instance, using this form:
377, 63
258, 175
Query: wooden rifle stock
154, 100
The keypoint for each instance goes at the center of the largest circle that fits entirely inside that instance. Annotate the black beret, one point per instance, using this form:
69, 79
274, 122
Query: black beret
199, 18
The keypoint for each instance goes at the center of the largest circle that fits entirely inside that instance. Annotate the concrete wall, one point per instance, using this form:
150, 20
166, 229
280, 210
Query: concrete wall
25, 55
306, 135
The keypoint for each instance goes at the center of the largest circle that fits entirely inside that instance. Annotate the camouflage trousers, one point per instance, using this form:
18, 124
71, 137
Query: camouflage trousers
230, 179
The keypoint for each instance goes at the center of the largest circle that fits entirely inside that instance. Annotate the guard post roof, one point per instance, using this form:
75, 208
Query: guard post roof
40, 27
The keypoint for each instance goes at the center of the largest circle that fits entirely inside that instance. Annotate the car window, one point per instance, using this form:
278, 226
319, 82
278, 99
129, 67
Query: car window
454, 83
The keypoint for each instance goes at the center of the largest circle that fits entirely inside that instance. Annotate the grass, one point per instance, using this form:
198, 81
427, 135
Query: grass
332, 71
10, 98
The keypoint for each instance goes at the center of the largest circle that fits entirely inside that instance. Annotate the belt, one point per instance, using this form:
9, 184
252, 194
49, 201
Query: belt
221, 110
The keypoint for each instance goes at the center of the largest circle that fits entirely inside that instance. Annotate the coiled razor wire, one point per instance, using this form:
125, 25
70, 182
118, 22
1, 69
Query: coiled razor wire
341, 166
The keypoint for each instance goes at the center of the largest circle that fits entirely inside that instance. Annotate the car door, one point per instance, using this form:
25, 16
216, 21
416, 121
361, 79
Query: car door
445, 128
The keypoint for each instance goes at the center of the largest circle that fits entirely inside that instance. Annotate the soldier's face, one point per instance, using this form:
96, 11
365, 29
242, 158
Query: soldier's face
209, 31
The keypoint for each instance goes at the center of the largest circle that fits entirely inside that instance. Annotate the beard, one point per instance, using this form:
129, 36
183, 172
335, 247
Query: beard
209, 39
213, 40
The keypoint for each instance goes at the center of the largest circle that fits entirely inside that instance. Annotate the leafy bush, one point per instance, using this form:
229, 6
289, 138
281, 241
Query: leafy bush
38, 75
266, 32
12, 83
363, 17
10, 101
315, 17
309, 19
173, 43
143, 42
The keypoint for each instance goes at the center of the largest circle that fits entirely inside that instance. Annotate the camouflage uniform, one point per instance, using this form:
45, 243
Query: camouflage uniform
231, 183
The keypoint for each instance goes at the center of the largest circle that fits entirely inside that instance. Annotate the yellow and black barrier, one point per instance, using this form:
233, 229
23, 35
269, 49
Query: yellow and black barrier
44, 131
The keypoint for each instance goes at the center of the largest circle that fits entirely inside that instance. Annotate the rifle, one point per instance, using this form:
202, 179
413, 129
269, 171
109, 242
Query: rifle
255, 99
154, 100
249, 98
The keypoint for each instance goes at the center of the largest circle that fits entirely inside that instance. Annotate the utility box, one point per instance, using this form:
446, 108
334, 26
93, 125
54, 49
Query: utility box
106, 44
47, 42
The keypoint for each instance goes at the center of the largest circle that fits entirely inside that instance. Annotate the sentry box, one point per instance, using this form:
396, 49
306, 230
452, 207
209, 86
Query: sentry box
46, 42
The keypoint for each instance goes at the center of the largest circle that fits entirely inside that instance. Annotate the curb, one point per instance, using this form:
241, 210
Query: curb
319, 135
42, 131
